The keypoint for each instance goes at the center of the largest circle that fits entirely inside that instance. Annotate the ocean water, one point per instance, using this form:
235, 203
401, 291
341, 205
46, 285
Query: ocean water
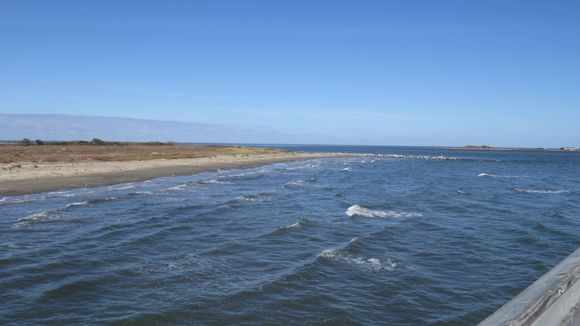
423, 237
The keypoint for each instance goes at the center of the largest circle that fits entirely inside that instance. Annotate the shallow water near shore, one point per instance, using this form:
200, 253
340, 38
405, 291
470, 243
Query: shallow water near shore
425, 237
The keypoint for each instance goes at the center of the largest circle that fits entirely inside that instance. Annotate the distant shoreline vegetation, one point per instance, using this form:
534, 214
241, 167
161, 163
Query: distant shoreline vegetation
93, 142
28, 151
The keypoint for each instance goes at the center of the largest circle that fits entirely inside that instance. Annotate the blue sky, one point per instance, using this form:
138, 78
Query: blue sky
504, 73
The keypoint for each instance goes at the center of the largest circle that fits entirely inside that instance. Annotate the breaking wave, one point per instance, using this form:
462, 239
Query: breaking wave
307, 166
542, 191
178, 187
256, 197
213, 181
483, 174
370, 264
126, 187
10, 201
146, 192
298, 183
193, 183
54, 213
298, 225
60, 194
80, 203
357, 210
37, 217
244, 176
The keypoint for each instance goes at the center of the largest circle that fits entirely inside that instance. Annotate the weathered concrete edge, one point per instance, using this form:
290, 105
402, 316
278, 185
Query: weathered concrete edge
554, 299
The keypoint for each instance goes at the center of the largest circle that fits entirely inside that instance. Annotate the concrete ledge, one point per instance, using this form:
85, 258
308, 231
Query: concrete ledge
554, 299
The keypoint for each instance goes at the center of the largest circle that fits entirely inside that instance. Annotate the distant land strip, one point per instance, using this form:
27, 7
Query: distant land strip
491, 148
27, 169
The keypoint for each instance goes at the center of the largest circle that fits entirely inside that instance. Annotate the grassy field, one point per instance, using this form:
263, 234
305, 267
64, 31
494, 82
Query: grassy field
75, 152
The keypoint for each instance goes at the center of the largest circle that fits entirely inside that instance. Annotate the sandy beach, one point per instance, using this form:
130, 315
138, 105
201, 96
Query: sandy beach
29, 177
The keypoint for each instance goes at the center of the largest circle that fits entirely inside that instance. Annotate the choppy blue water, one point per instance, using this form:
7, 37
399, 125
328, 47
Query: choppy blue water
393, 241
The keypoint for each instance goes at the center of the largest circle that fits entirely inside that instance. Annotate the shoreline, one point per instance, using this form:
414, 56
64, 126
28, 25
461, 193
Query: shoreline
33, 178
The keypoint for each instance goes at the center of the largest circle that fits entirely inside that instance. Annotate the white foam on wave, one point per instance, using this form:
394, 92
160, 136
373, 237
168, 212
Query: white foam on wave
80, 203
483, 174
302, 223
243, 175
329, 253
357, 210
542, 191
200, 182
178, 187
213, 181
258, 197
9, 201
127, 187
60, 194
54, 213
298, 183
302, 167
227, 206
144, 192
371, 264
347, 169
297, 225
35, 218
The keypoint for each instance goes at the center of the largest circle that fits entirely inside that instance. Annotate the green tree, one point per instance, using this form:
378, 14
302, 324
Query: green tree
26, 142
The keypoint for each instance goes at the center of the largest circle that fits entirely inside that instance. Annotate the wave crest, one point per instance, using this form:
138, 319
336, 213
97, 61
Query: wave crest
483, 174
80, 203
298, 225
256, 197
298, 183
371, 264
357, 210
542, 191
36, 218
10, 201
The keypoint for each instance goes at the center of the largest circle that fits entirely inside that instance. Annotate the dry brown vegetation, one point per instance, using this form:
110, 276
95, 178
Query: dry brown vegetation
117, 152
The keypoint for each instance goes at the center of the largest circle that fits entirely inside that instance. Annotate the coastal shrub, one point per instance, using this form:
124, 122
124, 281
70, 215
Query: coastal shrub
154, 143
39, 142
97, 141
25, 142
